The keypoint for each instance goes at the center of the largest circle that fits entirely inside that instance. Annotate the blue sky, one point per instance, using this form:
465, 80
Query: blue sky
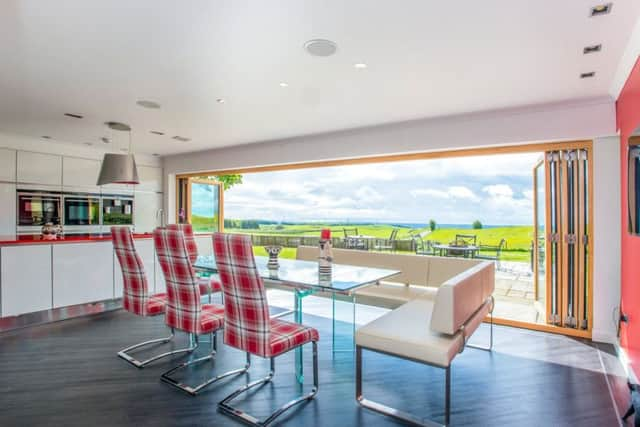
494, 189
204, 199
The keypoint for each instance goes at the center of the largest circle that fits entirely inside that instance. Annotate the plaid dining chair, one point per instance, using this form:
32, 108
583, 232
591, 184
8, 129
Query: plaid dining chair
184, 310
247, 325
208, 285
135, 293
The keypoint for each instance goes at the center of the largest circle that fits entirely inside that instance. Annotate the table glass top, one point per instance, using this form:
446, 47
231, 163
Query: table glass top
305, 274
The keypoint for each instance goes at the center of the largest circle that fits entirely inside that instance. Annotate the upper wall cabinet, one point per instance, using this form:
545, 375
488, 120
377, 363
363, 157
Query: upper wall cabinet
7, 165
150, 179
38, 168
80, 173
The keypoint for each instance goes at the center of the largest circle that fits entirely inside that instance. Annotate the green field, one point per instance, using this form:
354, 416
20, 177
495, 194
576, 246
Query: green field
517, 249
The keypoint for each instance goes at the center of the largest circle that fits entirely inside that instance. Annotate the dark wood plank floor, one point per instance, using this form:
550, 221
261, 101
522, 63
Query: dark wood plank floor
67, 374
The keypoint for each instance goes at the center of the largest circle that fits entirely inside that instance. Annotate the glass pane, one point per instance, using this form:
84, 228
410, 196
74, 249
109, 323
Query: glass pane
205, 207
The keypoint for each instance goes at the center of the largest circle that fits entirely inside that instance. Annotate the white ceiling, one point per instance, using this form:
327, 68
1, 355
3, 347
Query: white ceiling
425, 59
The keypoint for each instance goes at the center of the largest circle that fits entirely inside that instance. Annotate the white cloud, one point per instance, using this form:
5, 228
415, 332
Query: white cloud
453, 192
429, 192
460, 192
498, 190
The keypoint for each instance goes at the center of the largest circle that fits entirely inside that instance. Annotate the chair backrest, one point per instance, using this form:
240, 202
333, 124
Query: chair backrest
183, 307
354, 231
394, 234
501, 246
246, 311
460, 297
189, 239
134, 278
467, 239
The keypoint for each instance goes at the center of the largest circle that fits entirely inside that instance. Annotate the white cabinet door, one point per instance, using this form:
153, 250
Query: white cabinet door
146, 252
145, 211
7, 165
25, 279
161, 286
7, 209
150, 179
205, 244
82, 272
80, 173
39, 168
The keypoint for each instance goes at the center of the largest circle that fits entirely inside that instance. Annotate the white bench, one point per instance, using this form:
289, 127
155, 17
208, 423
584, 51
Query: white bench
419, 275
431, 329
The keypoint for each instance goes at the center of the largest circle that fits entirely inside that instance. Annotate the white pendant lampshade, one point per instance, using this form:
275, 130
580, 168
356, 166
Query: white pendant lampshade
119, 168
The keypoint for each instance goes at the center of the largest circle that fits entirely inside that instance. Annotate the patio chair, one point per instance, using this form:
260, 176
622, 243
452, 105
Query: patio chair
389, 244
423, 247
467, 239
351, 241
494, 249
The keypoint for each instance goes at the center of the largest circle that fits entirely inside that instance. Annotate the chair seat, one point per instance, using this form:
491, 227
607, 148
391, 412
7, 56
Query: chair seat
211, 318
155, 304
209, 284
287, 335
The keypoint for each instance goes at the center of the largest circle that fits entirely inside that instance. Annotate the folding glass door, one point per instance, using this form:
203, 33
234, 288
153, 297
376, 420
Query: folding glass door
200, 204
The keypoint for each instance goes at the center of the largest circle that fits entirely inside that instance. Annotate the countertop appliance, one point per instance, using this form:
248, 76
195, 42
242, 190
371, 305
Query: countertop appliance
36, 208
117, 210
81, 213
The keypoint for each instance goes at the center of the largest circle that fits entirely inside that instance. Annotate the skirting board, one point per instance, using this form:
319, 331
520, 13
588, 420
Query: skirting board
58, 314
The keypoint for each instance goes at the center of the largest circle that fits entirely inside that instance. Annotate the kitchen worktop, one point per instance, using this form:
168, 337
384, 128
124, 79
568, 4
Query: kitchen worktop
31, 239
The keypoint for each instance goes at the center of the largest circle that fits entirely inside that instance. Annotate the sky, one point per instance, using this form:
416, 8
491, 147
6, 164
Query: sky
497, 190
204, 199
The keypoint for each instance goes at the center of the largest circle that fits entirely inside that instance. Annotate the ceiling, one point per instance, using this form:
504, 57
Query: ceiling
97, 58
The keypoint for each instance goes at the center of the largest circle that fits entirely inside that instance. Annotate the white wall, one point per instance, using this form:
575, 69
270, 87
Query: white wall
606, 249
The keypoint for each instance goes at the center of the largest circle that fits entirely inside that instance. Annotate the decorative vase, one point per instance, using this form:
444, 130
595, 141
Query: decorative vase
273, 252
50, 231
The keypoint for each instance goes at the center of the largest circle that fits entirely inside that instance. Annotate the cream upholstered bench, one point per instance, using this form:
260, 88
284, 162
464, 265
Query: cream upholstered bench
431, 329
419, 274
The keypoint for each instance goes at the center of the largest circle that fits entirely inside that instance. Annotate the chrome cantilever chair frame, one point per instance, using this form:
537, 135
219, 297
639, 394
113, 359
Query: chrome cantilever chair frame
124, 354
195, 390
251, 420
403, 416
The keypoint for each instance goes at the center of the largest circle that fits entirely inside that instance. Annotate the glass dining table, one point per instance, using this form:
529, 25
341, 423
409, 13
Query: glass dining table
303, 278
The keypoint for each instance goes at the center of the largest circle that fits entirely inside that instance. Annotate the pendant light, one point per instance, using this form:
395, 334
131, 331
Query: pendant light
119, 168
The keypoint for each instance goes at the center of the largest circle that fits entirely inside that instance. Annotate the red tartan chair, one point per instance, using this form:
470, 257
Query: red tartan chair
208, 285
247, 325
184, 311
135, 293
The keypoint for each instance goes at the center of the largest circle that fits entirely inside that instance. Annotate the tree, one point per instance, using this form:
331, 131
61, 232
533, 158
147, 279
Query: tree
227, 181
432, 224
477, 225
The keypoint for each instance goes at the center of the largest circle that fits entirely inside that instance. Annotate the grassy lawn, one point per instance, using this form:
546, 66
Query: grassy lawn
518, 237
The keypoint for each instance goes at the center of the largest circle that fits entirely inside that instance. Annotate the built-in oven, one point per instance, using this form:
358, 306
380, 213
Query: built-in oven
117, 210
81, 213
36, 208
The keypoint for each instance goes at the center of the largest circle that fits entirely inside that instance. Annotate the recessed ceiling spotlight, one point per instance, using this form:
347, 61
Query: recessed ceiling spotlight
155, 154
156, 132
320, 47
46, 137
75, 116
88, 144
588, 75
592, 49
601, 9
360, 65
181, 138
148, 104
105, 140
220, 100
118, 126
284, 84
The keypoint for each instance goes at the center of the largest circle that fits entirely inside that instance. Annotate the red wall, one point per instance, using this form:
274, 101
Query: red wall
628, 118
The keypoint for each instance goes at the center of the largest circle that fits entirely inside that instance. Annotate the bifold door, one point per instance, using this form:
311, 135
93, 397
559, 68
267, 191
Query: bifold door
567, 242
200, 204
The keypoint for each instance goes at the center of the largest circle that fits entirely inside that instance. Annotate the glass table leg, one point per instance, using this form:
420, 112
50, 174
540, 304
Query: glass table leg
351, 348
298, 319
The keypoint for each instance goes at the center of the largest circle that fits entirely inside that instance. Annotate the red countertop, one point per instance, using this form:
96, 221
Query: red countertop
35, 239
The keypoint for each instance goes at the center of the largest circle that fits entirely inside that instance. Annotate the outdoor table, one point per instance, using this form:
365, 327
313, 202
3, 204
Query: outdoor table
303, 278
354, 240
469, 251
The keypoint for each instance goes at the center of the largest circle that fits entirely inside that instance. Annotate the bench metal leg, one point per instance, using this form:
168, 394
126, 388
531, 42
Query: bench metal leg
251, 420
490, 347
395, 413
142, 363
195, 390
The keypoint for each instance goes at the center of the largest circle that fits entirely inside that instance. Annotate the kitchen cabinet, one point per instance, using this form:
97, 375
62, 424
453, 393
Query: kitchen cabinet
145, 249
39, 168
7, 209
7, 165
83, 173
25, 279
150, 179
82, 273
145, 211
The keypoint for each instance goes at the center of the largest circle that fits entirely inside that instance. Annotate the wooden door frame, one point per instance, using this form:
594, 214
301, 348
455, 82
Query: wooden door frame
198, 180
484, 151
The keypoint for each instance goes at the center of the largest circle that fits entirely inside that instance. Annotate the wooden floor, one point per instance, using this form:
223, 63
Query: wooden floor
67, 374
